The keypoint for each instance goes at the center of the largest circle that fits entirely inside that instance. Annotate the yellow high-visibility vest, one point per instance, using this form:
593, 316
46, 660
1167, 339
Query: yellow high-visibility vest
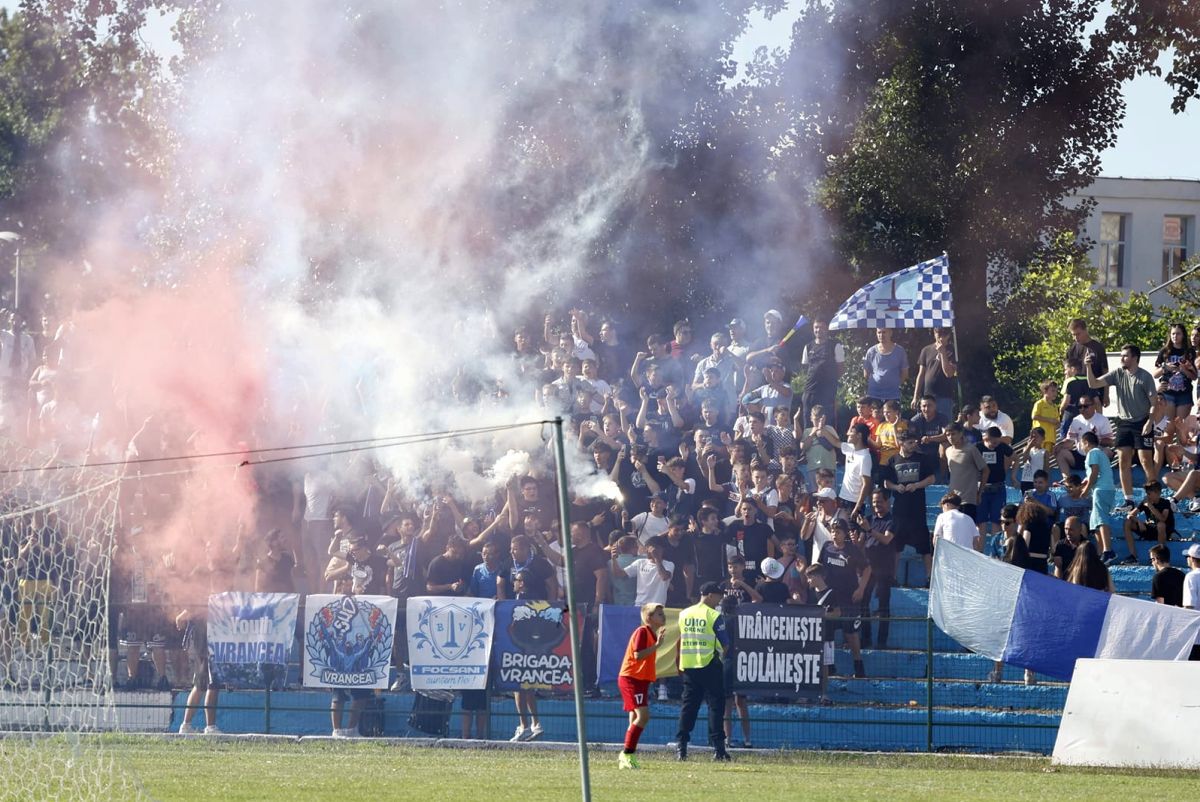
697, 636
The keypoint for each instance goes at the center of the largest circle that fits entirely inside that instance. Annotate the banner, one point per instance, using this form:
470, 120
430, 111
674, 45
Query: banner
532, 647
617, 623
1033, 621
777, 648
249, 637
916, 297
449, 640
348, 641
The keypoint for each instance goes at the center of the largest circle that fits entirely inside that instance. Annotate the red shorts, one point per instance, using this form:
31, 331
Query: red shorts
634, 692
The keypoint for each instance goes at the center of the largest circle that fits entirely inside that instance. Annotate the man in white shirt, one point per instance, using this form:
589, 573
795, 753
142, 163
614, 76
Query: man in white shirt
1191, 582
652, 572
955, 525
1070, 451
653, 523
856, 482
990, 415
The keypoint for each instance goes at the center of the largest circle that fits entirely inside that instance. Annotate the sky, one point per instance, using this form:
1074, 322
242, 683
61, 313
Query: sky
1153, 142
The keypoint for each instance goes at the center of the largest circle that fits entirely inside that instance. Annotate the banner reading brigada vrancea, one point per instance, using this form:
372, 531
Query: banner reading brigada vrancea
348, 640
617, 623
449, 640
532, 648
778, 648
249, 637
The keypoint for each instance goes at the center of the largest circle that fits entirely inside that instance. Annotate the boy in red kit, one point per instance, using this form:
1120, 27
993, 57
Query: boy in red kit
637, 672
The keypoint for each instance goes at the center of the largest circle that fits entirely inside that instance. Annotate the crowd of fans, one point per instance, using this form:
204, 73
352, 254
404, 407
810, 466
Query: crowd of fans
722, 460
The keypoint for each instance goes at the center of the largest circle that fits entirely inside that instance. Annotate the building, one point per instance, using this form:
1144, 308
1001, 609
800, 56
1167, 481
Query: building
1142, 230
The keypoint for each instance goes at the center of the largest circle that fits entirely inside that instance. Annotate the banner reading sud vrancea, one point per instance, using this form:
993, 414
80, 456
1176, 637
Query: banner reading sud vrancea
449, 640
249, 637
778, 648
348, 641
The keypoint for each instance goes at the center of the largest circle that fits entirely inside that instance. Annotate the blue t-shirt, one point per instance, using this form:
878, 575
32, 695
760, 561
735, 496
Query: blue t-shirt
1079, 507
483, 580
1097, 458
883, 371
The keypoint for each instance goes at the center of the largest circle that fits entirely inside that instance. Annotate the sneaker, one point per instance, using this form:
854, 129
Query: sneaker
995, 676
398, 685
681, 750
338, 732
662, 693
1108, 557
747, 745
522, 734
625, 761
1126, 505
1130, 560
212, 729
187, 729
720, 755
535, 731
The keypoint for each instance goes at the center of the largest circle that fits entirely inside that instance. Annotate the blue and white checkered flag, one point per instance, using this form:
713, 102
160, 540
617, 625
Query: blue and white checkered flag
916, 297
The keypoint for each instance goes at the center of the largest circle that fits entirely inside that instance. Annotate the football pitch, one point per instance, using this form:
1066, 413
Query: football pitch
298, 771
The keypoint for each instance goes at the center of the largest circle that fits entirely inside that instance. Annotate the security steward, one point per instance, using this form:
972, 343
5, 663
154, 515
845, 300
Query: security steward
701, 633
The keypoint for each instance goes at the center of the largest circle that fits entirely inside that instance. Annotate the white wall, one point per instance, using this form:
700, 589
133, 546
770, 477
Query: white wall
1146, 201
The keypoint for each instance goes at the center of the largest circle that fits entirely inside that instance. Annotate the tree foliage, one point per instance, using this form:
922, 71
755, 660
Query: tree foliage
1031, 330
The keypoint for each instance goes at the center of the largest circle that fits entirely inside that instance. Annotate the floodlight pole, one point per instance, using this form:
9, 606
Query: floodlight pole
564, 522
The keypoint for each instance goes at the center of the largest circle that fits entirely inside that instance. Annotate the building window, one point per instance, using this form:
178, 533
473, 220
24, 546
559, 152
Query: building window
1113, 231
1177, 240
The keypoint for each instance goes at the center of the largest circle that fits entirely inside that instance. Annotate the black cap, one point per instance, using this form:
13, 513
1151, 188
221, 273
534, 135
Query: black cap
710, 587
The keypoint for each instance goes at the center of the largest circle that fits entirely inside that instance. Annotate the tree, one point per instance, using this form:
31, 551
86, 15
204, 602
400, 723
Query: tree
75, 128
972, 124
1031, 333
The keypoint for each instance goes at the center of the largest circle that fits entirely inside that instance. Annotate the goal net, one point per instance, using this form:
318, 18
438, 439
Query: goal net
56, 541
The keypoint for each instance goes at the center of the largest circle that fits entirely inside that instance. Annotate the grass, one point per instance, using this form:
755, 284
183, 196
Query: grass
195, 769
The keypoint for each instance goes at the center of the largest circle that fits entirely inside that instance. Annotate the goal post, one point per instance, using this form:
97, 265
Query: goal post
57, 526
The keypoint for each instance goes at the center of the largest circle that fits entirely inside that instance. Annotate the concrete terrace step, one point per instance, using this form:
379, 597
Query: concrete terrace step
896, 727
911, 665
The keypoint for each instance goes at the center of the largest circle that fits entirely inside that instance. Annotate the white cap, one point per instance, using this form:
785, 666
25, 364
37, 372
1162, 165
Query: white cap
771, 568
1193, 551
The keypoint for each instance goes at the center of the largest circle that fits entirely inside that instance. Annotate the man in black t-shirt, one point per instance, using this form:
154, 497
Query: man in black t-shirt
927, 426
753, 541
711, 548
879, 542
680, 549
1153, 519
1167, 585
450, 572
824, 360
847, 572
937, 368
997, 455
908, 474
541, 580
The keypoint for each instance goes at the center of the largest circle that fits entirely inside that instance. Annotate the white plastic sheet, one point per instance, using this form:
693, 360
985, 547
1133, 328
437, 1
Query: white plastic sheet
972, 598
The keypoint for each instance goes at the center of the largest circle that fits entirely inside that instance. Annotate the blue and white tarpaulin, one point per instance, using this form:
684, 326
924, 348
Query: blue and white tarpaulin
249, 637
449, 642
348, 641
916, 297
1044, 624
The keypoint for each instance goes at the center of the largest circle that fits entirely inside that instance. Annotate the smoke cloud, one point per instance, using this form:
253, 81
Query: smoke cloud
361, 203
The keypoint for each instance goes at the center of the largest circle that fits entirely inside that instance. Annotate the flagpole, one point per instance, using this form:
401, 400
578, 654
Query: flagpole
564, 522
954, 334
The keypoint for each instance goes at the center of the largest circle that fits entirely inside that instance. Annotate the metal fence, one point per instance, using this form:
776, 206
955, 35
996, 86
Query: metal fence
924, 693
